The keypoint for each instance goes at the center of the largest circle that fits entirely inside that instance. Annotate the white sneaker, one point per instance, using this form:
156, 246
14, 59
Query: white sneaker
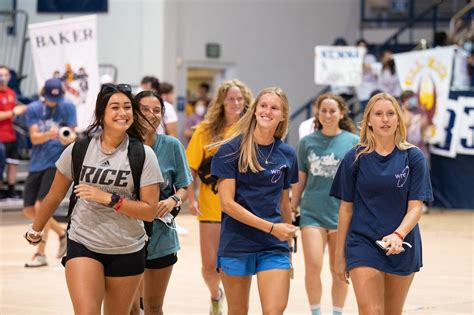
38, 260
62, 246
216, 305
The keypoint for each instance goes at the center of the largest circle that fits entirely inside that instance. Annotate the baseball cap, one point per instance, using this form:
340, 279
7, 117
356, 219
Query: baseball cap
53, 90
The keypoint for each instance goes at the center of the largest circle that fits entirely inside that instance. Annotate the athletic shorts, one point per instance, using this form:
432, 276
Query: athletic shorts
37, 186
120, 265
162, 262
2, 160
251, 264
11, 153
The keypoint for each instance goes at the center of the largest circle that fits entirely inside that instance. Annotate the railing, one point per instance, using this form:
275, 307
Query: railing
392, 13
459, 15
433, 10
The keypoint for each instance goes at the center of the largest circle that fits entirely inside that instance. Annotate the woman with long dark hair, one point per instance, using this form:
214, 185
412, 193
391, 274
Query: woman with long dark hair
106, 238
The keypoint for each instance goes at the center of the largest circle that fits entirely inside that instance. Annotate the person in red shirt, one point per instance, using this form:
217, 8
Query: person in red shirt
8, 112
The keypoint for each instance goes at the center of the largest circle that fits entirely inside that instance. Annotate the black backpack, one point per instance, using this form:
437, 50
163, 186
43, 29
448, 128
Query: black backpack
204, 173
136, 158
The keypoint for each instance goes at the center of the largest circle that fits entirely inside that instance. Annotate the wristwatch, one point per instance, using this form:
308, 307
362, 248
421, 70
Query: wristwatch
177, 199
113, 200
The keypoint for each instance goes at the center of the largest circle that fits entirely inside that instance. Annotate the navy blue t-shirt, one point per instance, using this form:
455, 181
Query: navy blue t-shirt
379, 188
259, 193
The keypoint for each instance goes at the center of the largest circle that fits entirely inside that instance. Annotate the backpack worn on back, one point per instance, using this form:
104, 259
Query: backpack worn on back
204, 173
136, 158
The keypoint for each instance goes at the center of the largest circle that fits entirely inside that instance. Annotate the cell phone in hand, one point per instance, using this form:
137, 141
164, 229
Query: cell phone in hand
385, 248
382, 245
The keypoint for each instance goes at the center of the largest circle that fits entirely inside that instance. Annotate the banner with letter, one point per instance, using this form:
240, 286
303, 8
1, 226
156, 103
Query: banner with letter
466, 125
67, 49
428, 73
338, 65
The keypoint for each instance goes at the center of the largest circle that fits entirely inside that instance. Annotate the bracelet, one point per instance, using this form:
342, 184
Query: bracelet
119, 204
399, 235
33, 232
270, 232
177, 199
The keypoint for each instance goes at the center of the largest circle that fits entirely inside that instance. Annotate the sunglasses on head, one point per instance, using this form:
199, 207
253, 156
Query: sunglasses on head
109, 87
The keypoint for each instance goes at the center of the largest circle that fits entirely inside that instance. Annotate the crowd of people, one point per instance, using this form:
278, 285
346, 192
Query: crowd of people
356, 191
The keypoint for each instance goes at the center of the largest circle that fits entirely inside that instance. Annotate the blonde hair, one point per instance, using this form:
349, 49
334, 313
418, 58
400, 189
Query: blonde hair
367, 138
345, 123
245, 128
214, 122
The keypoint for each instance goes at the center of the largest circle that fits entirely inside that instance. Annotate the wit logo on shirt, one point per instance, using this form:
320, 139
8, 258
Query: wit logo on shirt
101, 176
402, 177
277, 174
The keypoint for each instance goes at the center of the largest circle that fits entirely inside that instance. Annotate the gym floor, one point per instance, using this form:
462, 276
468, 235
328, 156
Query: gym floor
444, 285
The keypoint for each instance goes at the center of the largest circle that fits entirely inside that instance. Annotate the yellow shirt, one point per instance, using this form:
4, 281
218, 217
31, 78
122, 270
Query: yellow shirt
209, 203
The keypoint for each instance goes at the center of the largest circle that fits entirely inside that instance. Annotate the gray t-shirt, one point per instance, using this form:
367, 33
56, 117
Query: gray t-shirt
97, 226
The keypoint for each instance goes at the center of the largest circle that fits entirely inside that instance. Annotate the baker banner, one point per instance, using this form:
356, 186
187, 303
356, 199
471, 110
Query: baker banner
67, 49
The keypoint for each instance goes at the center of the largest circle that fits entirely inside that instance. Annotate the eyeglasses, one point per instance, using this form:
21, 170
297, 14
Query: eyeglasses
109, 87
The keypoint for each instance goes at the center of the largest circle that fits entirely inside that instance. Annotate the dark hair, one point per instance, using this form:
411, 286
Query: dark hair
148, 93
136, 130
205, 86
362, 41
345, 123
340, 41
406, 94
440, 39
154, 82
390, 65
166, 88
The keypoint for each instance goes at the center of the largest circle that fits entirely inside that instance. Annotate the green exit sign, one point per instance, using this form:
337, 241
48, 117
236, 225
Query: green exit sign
213, 50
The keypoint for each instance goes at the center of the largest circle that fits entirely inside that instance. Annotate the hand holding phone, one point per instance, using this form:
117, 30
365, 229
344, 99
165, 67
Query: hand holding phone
384, 246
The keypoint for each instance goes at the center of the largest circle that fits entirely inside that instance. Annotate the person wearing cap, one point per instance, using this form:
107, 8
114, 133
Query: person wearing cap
44, 118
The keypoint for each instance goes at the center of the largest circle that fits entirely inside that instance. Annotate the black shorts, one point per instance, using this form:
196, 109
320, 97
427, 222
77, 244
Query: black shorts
120, 265
162, 262
11, 153
37, 186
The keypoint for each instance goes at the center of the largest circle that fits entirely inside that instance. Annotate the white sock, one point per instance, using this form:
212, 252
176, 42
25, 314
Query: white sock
315, 309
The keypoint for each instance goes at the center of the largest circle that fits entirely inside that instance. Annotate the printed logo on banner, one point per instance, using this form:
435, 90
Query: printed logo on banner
76, 84
428, 73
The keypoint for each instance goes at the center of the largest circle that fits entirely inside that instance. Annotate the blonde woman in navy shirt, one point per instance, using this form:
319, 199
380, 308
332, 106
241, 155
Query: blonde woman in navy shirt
255, 170
382, 184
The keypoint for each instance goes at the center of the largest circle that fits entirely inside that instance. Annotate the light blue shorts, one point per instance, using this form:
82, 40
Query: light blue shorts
249, 265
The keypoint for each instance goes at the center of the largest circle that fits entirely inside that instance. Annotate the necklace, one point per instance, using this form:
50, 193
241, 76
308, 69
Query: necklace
104, 148
268, 156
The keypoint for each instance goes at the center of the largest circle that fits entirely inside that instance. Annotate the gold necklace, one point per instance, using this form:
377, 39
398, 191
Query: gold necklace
268, 156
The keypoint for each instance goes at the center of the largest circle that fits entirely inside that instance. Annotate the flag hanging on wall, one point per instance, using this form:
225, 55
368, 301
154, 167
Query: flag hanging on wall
67, 49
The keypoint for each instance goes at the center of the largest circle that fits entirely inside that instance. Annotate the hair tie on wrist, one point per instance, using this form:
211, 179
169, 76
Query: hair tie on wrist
399, 235
273, 224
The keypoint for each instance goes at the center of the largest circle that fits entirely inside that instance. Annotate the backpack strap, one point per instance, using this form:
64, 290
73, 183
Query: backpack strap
136, 158
79, 150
